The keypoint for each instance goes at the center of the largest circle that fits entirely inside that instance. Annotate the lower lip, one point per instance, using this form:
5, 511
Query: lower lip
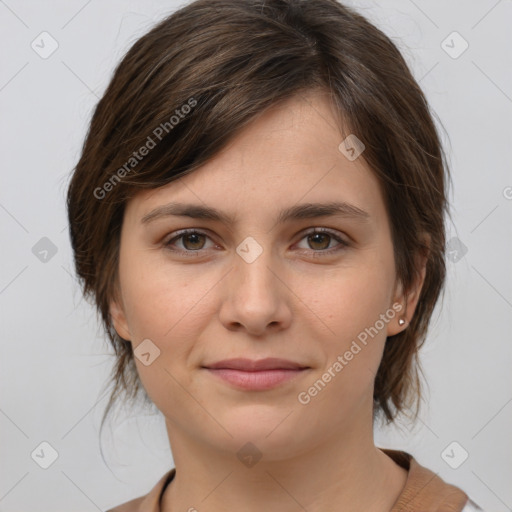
256, 380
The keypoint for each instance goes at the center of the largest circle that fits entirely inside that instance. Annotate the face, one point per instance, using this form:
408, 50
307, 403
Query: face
268, 276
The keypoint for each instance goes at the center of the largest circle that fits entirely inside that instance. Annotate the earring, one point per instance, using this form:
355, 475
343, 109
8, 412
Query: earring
401, 321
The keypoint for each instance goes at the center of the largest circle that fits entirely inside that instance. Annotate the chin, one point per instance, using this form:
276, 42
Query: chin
272, 430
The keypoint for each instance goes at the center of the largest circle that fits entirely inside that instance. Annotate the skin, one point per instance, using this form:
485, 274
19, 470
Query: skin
291, 302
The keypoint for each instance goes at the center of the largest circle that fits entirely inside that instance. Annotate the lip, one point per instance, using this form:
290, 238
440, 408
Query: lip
249, 365
256, 375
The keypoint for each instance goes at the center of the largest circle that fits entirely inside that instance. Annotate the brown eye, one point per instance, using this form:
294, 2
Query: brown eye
193, 241
319, 241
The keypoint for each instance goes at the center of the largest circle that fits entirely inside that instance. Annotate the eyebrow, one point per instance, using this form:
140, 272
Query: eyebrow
297, 212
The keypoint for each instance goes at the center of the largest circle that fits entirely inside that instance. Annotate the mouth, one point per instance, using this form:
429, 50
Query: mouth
256, 375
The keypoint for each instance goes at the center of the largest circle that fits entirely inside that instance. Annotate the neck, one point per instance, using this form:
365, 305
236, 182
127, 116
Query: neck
343, 469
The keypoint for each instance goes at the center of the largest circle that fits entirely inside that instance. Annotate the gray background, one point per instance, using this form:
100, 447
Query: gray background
54, 358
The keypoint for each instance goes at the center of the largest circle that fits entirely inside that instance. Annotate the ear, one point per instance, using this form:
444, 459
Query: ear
408, 299
119, 320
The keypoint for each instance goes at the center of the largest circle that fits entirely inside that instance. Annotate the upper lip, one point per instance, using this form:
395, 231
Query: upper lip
248, 365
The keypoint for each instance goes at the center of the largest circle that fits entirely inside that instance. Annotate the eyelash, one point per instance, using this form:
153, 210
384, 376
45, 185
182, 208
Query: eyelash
191, 253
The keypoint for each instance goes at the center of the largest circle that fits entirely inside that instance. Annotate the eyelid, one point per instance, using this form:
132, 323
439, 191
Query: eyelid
181, 233
333, 232
342, 243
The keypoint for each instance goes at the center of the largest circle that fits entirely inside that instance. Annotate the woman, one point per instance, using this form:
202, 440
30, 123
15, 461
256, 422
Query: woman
258, 213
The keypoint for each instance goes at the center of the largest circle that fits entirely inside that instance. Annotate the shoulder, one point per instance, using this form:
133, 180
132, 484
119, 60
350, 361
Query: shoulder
425, 490
150, 502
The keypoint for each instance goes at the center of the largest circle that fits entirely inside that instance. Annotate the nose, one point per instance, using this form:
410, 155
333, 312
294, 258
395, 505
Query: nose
256, 297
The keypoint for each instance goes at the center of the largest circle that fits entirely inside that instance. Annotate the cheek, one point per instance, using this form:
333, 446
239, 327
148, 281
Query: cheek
354, 296
162, 302
171, 309
350, 302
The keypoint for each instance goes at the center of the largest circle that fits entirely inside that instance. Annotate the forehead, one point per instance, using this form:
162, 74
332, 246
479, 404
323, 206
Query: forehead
289, 154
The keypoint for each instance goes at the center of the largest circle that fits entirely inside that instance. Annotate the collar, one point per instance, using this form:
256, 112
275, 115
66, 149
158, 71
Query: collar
424, 490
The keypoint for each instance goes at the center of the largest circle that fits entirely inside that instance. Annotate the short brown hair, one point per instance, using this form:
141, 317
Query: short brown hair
229, 60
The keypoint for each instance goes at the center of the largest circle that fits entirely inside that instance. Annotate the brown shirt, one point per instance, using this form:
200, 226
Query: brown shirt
424, 491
